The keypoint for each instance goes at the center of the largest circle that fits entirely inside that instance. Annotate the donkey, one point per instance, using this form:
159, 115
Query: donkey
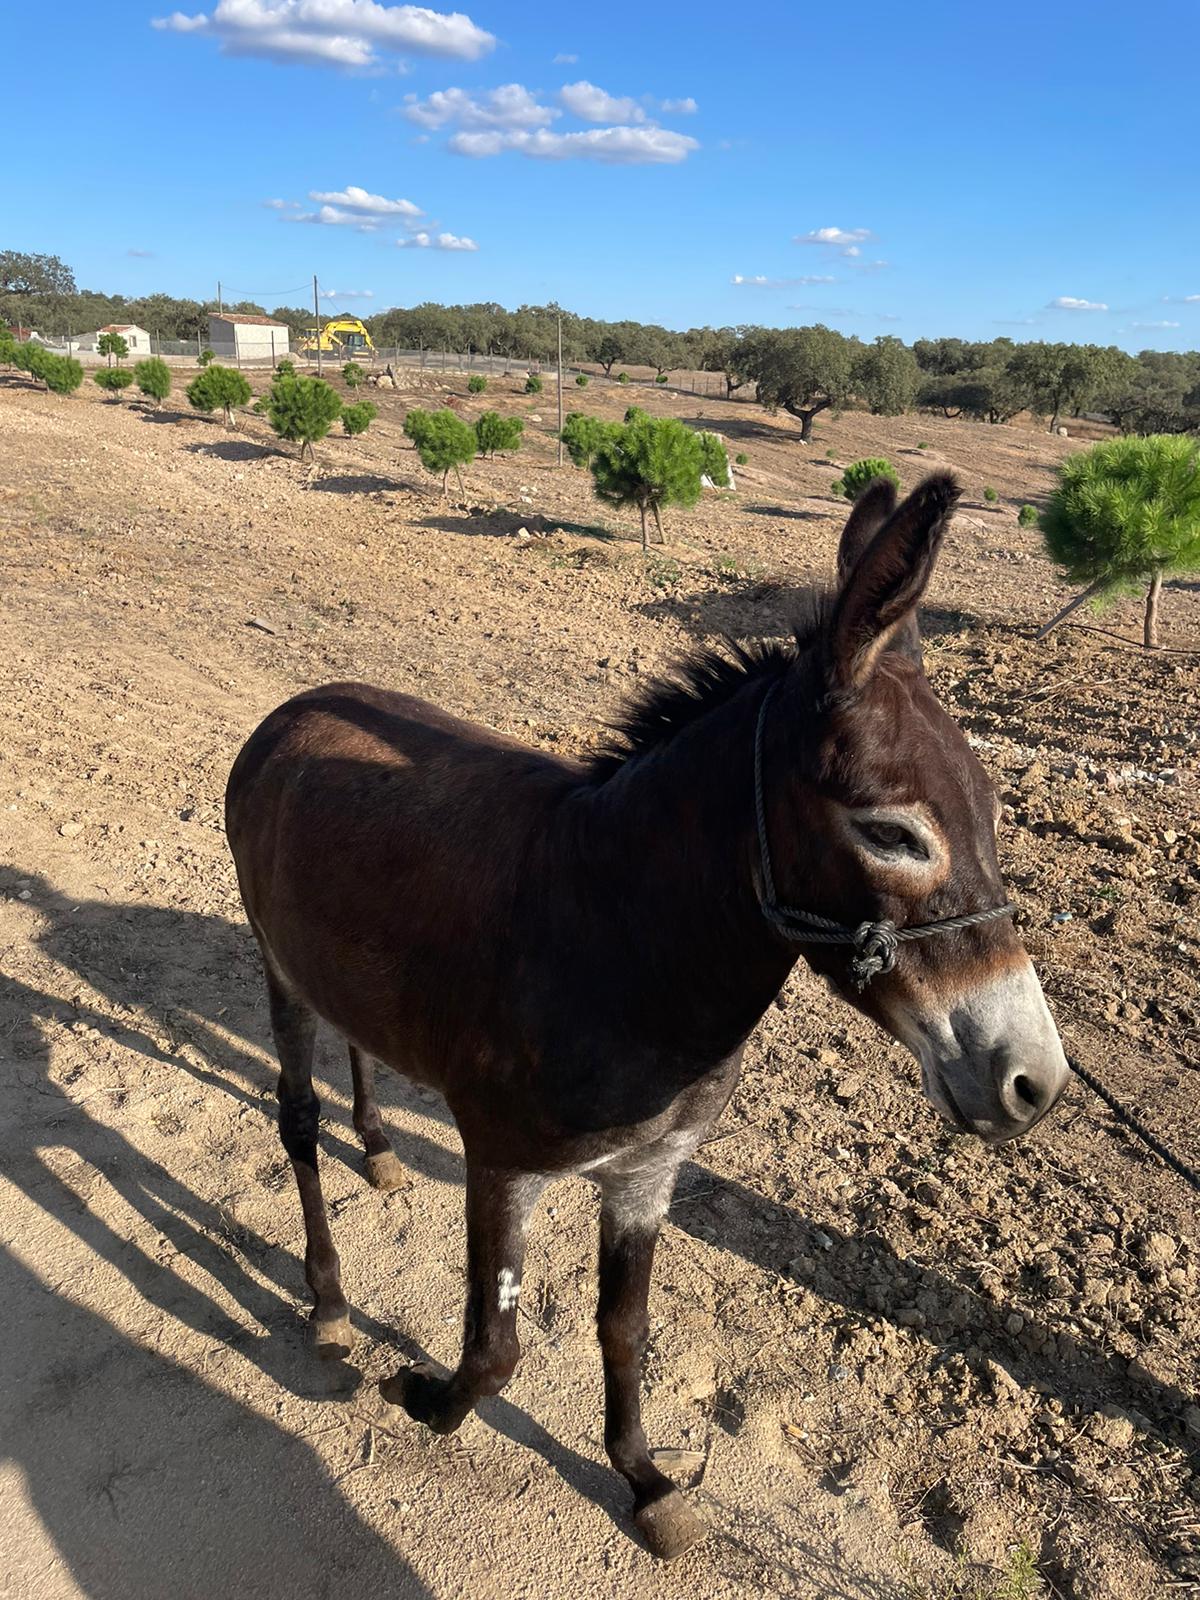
574, 953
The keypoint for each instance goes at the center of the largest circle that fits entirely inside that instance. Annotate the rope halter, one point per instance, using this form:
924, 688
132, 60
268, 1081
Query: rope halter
874, 944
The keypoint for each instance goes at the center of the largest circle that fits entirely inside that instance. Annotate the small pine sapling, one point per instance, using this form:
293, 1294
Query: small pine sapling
583, 436
859, 474
1124, 515
1028, 516
741, 458
581, 378
353, 375
113, 380
219, 388
650, 463
358, 417
205, 358
62, 374
714, 462
442, 441
533, 384
285, 368
622, 377
476, 384
303, 410
153, 378
990, 496
662, 378
494, 432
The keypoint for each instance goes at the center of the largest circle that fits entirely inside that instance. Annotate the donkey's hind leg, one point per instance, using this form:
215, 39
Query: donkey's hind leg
499, 1204
383, 1169
295, 1028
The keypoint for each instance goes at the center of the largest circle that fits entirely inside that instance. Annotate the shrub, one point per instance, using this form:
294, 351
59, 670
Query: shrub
622, 377
714, 463
1125, 514
205, 357
62, 374
990, 496
8, 346
476, 384
153, 377
662, 378
581, 378
650, 462
359, 417
110, 345
859, 474
113, 379
303, 410
352, 374
219, 388
741, 458
533, 384
584, 435
494, 432
31, 358
923, 444
1028, 516
442, 440
285, 368
635, 414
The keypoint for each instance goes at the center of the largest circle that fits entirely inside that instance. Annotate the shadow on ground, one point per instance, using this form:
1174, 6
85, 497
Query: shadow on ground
76, 1473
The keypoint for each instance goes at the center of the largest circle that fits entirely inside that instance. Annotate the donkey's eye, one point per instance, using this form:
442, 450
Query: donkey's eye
894, 838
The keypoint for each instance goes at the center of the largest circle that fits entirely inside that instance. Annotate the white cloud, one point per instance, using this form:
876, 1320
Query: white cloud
510, 106
347, 294
148, 255
686, 107
846, 239
758, 281
590, 104
355, 199
563, 59
1070, 302
282, 205
622, 146
1158, 324
343, 33
1191, 299
337, 217
436, 241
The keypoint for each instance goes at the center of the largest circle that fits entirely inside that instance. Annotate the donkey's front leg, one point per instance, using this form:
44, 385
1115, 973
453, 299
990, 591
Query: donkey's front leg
630, 1218
498, 1208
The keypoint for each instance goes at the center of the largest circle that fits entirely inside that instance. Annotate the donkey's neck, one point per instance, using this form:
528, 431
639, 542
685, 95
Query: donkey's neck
674, 830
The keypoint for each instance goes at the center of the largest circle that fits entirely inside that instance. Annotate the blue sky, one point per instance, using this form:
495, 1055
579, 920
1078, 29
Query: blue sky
928, 168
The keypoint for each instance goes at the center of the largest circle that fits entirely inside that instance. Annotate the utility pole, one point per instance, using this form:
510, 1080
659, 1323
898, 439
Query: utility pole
220, 306
560, 415
317, 315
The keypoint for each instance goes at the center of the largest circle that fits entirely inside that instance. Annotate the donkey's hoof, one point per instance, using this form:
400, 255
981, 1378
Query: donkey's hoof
333, 1336
669, 1526
421, 1391
385, 1171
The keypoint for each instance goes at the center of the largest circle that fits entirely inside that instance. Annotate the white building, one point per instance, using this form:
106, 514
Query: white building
136, 338
237, 337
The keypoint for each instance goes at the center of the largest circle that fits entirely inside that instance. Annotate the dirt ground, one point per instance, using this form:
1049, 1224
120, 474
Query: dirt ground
904, 1365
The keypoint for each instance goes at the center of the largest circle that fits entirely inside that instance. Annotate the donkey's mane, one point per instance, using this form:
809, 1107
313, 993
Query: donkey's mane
698, 683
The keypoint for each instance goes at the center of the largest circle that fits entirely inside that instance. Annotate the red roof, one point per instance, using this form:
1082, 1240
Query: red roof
237, 316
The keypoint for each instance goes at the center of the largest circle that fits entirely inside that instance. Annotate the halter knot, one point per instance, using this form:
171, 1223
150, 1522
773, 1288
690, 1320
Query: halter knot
875, 945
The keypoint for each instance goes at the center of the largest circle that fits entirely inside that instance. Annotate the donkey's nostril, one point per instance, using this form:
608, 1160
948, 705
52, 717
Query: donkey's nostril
1025, 1089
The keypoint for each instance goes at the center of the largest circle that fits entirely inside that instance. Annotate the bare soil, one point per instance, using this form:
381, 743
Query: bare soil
904, 1365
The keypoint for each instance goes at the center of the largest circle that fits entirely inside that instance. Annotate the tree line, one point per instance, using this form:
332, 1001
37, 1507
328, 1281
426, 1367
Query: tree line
802, 371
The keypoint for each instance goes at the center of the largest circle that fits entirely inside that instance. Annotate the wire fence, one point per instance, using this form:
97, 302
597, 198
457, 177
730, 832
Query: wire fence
187, 352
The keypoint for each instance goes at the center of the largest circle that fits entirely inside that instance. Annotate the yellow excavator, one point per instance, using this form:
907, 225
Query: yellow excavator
339, 336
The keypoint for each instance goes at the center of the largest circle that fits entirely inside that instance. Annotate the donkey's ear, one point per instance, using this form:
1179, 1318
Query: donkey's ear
871, 510
876, 608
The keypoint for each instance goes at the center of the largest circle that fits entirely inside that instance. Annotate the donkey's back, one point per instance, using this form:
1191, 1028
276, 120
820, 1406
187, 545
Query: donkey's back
376, 837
